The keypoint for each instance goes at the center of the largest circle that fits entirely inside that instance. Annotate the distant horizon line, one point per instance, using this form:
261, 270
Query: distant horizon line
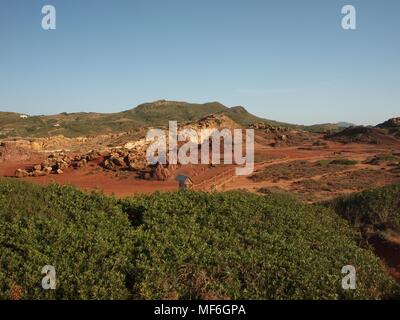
182, 101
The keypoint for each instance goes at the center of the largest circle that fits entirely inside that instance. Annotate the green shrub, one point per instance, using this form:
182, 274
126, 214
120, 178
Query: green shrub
383, 158
87, 238
242, 246
185, 245
377, 208
346, 162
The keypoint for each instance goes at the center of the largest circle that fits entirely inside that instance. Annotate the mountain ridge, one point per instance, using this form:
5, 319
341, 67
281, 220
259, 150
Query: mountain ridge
148, 114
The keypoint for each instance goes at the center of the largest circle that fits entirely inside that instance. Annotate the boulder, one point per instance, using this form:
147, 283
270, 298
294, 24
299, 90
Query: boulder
81, 163
160, 173
129, 145
118, 161
47, 170
93, 155
109, 165
20, 173
38, 173
46, 163
132, 167
62, 165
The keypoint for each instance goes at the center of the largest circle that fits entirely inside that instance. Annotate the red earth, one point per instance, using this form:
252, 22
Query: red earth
123, 184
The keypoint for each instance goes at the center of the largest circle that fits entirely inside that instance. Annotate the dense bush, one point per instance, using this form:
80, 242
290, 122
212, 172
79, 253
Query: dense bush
243, 246
185, 245
377, 208
85, 237
346, 162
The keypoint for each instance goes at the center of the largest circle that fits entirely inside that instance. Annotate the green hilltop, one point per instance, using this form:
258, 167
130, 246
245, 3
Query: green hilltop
145, 115
151, 114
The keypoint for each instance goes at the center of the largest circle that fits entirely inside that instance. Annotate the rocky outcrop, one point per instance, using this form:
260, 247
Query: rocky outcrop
268, 128
394, 122
124, 159
124, 152
392, 126
57, 163
10, 150
368, 135
20, 173
159, 172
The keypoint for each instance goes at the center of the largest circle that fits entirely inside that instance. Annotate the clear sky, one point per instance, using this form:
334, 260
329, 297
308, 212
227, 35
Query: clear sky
287, 60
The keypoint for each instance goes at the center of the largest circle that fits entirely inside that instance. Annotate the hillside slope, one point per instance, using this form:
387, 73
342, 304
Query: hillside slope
327, 127
240, 115
392, 126
145, 115
362, 134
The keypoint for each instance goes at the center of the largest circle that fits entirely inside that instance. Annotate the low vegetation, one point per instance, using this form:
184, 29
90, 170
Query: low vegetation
375, 210
154, 114
345, 162
87, 238
274, 190
392, 126
360, 134
388, 158
301, 169
185, 245
329, 186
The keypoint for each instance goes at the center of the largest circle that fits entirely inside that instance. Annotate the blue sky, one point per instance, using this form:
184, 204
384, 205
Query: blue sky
286, 60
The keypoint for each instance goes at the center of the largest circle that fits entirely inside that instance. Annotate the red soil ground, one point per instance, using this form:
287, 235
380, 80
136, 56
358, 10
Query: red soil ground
121, 184
125, 184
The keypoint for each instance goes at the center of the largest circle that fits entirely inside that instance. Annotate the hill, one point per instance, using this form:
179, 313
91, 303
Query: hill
360, 134
148, 114
392, 126
160, 247
327, 127
158, 113
376, 210
240, 115
376, 214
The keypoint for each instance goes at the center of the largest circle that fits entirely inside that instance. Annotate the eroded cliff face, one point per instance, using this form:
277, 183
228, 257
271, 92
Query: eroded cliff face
15, 150
115, 152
